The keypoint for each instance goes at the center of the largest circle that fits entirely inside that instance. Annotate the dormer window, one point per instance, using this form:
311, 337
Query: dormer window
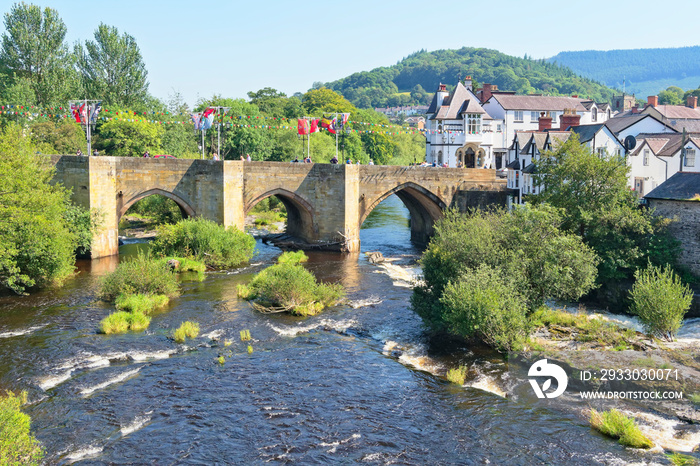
646, 157
689, 160
594, 114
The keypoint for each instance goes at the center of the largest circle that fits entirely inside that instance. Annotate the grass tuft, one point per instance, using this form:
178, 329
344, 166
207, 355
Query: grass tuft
186, 330
678, 459
457, 375
122, 322
615, 424
141, 303
245, 335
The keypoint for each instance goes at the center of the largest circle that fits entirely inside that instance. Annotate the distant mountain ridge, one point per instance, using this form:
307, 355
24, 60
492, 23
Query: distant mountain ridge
413, 79
644, 71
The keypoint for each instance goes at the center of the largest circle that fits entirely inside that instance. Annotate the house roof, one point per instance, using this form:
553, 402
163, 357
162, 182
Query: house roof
677, 111
587, 132
558, 136
522, 137
620, 123
538, 102
691, 126
683, 186
515, 164
665, 144
530, 169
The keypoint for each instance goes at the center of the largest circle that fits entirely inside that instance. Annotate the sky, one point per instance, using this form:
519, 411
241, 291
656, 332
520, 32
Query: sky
228, 48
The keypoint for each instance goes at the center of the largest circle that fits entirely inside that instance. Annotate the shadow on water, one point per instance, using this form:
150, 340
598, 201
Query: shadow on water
358, 383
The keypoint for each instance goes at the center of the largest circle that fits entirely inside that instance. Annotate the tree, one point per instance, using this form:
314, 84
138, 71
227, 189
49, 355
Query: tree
58, 137
123, 138
36, 243
673, 95
325, 100
33, 48
112, 68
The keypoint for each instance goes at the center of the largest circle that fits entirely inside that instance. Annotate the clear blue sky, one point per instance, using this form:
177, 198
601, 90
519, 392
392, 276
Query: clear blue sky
201, 48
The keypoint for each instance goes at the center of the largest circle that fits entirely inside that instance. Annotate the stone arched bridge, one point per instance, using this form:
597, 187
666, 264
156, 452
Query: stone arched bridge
325, 203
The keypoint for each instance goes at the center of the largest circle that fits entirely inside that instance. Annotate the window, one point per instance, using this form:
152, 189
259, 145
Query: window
554, 116
534, 116
518, 116
646, 157
594, 114
499, 128
689, 160
601, 152
618, 152
473, 123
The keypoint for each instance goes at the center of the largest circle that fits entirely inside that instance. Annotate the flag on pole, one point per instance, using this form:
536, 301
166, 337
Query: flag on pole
209, 111
196, 119
344, 119
314, 126
95, 110
329, 124
303, 126
75, 111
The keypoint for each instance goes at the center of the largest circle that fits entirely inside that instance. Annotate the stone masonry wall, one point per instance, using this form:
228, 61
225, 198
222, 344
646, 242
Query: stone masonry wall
686, 228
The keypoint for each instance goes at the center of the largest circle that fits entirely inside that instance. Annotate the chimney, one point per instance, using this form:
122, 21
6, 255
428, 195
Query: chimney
441, 94
468, 82
545, 122
486, 92
575, 96
634, 110
568, 119
692, 101
653, 100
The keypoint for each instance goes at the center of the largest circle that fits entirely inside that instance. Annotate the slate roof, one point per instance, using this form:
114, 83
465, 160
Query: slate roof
587, 132
538, 102
459, 102
515, 164
665, 144
691, 126
530, 169
523, 138
558, 136
683, 186
621, 123
678, 111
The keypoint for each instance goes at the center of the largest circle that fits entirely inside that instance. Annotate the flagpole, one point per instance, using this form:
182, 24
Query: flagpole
336, 136
89, 136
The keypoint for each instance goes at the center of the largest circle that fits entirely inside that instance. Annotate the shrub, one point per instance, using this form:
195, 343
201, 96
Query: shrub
267, 218
678, 459
457, 375
158, 208
186, 330
484, 304
122, 322
140, 303
615, 424
206, 241
288, 286
660, 300
187, 265
17, 445
139, 275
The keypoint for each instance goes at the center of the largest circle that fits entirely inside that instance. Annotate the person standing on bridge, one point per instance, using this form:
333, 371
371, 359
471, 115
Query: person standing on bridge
307, 159
79, 153
95, 153
247, 157
371, 162
146, 154
334, 160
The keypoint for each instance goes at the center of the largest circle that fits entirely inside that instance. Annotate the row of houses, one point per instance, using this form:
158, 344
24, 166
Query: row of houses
489, 128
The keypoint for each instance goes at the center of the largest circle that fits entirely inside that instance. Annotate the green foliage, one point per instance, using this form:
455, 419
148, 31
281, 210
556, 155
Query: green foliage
139, 275
457, 375
34, 52
58, 137
245, 335
36, 243
673, 95
584, 328
111, 66
379, 147
615, 424
186, 330
158, 208
485, 304
269, 217
122, 322
140, 303
122, 138
599, 206
525, 245
18, 447
179, 141
288, 286
317, 101
83, 224
292, 258
678, 459
206, 241
187, 264
660, 300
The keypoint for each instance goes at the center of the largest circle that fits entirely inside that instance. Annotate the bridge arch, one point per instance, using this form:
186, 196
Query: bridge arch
424, 207
300, 213
185, 208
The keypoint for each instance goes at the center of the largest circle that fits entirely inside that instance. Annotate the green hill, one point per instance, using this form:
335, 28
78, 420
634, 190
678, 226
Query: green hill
413, 80
645, 71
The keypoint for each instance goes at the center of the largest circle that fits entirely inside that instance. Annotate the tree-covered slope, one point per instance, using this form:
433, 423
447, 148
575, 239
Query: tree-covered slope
645, 71
413, 80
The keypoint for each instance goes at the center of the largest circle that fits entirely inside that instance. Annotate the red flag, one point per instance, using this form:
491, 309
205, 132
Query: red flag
314, 125
209, 111
303, 126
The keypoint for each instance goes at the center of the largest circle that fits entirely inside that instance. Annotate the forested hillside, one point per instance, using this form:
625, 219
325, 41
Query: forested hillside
413, 80
645, 71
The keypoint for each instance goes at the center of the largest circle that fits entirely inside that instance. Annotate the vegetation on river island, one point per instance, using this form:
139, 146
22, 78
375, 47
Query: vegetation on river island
141, 274
186, 330
17, 445
615, 424
288, 286
205, 241
122, 322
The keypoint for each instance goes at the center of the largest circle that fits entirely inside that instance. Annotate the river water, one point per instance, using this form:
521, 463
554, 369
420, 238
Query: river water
359, 383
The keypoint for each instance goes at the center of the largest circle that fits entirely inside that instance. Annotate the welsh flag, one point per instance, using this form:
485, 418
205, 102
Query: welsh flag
303, 126
79, 112
314, 125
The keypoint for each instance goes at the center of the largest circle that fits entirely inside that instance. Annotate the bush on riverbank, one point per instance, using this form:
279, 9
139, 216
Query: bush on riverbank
140, 303
660, 300
288, 286
17, 445
122, 322
186, 330
206, 241
513, 261
139, 275
615, 424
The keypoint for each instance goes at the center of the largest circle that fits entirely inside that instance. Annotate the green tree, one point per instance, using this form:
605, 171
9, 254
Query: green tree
318, 101
33, 48
112, 68
673, 95
36, 243
123, 138
58, 137
17, 444
270, 101
379, 147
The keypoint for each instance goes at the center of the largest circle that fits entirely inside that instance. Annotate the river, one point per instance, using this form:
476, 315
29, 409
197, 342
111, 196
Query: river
358, 383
